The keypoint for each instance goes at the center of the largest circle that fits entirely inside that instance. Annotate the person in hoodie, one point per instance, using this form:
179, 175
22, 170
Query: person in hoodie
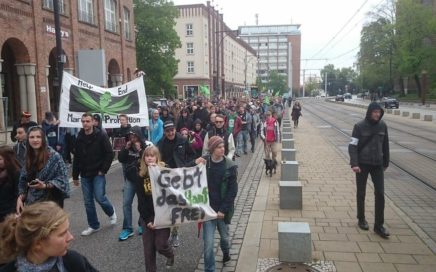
129, 157
55, 136
369, 154
121, 133
156, 128
92, 160
165, 115
185, 121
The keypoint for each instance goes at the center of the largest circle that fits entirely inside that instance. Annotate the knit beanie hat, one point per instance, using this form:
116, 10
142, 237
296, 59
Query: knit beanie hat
214, 141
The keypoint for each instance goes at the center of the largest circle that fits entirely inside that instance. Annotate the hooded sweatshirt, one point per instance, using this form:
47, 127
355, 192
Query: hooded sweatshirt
369, 143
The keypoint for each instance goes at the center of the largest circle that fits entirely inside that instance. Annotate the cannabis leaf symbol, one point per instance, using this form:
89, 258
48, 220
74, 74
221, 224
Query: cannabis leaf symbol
103, 106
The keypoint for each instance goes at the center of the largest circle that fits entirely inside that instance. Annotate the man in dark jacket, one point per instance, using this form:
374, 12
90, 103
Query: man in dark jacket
92, 160
223, 187
130, 156
369, 154
218, 129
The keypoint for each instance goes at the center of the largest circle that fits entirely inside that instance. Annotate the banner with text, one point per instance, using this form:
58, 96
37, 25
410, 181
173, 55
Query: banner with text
180, 196
78, 97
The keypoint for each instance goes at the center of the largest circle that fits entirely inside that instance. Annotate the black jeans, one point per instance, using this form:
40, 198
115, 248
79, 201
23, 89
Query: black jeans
377, 176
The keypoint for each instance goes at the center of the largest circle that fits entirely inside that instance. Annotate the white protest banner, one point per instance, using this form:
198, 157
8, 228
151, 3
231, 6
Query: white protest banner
180, 196
78, 97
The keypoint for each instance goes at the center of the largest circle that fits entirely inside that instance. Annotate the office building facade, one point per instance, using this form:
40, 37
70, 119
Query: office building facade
278, 48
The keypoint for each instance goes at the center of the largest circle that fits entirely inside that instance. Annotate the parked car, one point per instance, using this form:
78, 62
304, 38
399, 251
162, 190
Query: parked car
339, 97
347, 96
389, 103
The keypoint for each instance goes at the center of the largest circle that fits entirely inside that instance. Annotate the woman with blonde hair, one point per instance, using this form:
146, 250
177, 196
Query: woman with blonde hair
153, 239
38, 240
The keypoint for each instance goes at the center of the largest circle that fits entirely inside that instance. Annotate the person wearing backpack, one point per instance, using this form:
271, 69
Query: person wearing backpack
222, 185
270, 135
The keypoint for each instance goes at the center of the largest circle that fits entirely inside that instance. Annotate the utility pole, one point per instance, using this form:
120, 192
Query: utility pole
304, 85
60, 57
325, 83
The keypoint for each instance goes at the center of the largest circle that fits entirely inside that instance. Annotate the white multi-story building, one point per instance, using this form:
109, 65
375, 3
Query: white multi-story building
278, 48
211, 54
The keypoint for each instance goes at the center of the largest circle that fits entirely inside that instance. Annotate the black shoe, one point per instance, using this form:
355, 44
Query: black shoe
237, 155
245, 152
382, 232
226, 258
363, 224
170, 261
252, 150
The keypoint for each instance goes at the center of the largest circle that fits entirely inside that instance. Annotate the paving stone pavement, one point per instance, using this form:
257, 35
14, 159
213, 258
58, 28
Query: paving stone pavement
330, 209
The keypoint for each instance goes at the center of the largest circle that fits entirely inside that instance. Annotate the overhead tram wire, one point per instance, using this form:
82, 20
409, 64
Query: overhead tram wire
349, 31
342, 28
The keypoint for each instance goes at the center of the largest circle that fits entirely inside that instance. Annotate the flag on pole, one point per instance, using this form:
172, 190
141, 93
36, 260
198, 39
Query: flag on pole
204, 90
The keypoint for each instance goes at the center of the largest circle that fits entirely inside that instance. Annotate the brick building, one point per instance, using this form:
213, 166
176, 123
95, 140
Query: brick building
28, 49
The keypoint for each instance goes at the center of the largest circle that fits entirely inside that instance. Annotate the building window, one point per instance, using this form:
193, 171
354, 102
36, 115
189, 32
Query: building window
110, 15
189, 30
127, 33
48, 4
190, 91
190, 48
86, 11
190, 67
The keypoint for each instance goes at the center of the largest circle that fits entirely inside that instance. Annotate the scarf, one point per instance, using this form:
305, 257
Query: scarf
52, 264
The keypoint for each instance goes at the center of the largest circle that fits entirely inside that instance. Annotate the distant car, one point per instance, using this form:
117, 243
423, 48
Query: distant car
389, 103
339, 97
347, 96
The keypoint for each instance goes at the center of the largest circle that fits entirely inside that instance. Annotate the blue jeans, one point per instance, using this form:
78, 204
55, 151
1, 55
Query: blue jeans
209, 237
243, 137
95, 187
128, 195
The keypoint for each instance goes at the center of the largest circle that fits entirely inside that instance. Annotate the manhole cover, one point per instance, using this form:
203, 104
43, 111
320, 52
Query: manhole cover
290, 267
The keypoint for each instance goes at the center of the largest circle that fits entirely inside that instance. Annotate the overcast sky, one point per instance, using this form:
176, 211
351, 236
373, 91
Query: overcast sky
320, 20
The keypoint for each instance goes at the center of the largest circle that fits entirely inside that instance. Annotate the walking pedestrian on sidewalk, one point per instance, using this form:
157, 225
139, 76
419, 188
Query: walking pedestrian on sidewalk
222, 177
369, 154
296, 113
92, 160
270, 135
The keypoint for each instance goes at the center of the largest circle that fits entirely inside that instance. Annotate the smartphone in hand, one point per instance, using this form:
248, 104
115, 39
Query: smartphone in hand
33, 182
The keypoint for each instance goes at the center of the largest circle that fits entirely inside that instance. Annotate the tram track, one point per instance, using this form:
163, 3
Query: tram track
400, 164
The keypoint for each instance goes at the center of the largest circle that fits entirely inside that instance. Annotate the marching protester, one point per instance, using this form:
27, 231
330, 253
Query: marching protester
44, 175
176, 152
194, 139
244, 134
129, 157
219, 130
222, 185
55, 135
20, 146
156, 128
185, 120
296, 113
254, 124
25, 122
154, 240
9, 174
92, 160
369, 154
270, 135
38, 240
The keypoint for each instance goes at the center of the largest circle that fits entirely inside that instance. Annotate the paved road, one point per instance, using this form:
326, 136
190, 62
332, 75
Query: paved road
108, 254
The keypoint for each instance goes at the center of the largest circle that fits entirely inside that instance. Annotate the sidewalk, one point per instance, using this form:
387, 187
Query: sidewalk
329, 207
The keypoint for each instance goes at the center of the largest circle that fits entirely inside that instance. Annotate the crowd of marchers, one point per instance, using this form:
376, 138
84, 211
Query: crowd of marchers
34, 176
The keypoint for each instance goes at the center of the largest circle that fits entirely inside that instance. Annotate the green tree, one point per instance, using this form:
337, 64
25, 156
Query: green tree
156, 41
415, 26
277, 83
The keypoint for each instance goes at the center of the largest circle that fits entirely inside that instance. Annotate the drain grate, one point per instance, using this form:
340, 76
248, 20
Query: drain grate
292, 267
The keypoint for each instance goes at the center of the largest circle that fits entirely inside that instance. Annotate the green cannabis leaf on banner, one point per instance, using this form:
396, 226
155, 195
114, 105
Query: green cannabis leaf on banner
103, 106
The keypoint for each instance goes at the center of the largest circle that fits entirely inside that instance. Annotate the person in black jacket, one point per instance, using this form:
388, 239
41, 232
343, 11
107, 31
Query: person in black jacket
129, 156
25, 122
9, 175
153, 239
369, 154
38, 240
92, 160
185, 121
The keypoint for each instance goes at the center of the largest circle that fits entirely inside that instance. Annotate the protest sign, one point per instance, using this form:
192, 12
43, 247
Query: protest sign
180, 196
78, 97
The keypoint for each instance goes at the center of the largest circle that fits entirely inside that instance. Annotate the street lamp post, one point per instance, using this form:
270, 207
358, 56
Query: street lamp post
60, 57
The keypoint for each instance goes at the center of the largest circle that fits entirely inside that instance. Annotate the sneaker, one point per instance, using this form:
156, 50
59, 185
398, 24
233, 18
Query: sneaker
174, 240
363, 224
140, 230
125, 234
89, 231
170, 262
226, 257
113, 219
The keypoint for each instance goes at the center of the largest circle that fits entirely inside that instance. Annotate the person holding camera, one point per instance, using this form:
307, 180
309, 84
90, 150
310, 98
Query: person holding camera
44, 175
